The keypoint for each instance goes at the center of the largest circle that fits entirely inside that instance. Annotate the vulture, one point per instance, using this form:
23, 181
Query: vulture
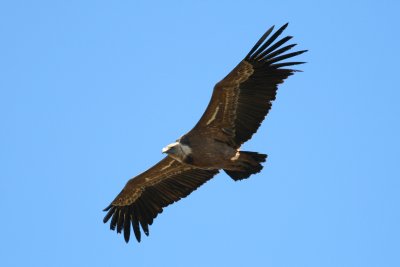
238, 105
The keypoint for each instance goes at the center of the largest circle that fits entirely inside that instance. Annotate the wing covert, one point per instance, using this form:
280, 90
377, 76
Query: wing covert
145, 196
244, 97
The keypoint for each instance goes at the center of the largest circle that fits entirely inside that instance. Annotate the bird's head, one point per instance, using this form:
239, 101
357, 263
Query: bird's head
171, 148
177, 151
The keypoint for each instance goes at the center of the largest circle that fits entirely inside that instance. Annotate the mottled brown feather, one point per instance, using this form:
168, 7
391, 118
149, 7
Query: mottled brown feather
243, 98
145, 196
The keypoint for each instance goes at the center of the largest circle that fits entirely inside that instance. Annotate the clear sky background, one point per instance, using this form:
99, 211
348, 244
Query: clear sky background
90, 91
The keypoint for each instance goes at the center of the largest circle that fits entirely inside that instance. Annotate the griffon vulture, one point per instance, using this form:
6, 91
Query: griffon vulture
238, 105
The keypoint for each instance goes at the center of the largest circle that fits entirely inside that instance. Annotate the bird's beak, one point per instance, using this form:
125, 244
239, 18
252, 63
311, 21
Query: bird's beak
169, 149
165, 149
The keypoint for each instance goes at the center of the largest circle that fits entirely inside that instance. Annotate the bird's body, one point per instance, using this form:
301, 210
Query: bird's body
204, 152
237, 107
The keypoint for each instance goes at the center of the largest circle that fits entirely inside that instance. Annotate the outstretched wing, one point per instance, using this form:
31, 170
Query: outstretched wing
145, 196
243, 98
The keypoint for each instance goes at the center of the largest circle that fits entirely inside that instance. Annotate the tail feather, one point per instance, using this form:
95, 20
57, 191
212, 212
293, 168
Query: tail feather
248, 163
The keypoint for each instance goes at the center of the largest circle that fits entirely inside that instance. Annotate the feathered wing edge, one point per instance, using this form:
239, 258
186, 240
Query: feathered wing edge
266, 52
142, 212
259, 90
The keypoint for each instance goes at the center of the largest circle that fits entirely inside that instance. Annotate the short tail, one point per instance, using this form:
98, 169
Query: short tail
247, 164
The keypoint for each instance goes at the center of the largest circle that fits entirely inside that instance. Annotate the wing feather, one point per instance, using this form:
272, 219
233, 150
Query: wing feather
243, 98
259, 51
145, 196
259, 42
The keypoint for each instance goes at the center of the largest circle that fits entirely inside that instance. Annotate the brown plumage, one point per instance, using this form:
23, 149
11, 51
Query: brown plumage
238, 105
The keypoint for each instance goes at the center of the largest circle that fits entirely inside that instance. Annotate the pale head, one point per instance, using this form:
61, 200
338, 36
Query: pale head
177, 151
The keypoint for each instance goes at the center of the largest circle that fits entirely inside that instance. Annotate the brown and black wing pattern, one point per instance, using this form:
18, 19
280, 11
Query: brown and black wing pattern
259, 90
145, 196
243, 98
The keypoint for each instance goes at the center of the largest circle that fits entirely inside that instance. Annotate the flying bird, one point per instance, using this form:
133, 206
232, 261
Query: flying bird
238, 105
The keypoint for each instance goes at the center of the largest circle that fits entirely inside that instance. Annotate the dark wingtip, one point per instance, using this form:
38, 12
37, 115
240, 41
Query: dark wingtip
281, 29
286, 64
108, 207
110, 213
260, 46
260, 41
114, 220
127, 229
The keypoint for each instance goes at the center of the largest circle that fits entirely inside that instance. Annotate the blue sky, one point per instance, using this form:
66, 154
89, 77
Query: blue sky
90, 91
